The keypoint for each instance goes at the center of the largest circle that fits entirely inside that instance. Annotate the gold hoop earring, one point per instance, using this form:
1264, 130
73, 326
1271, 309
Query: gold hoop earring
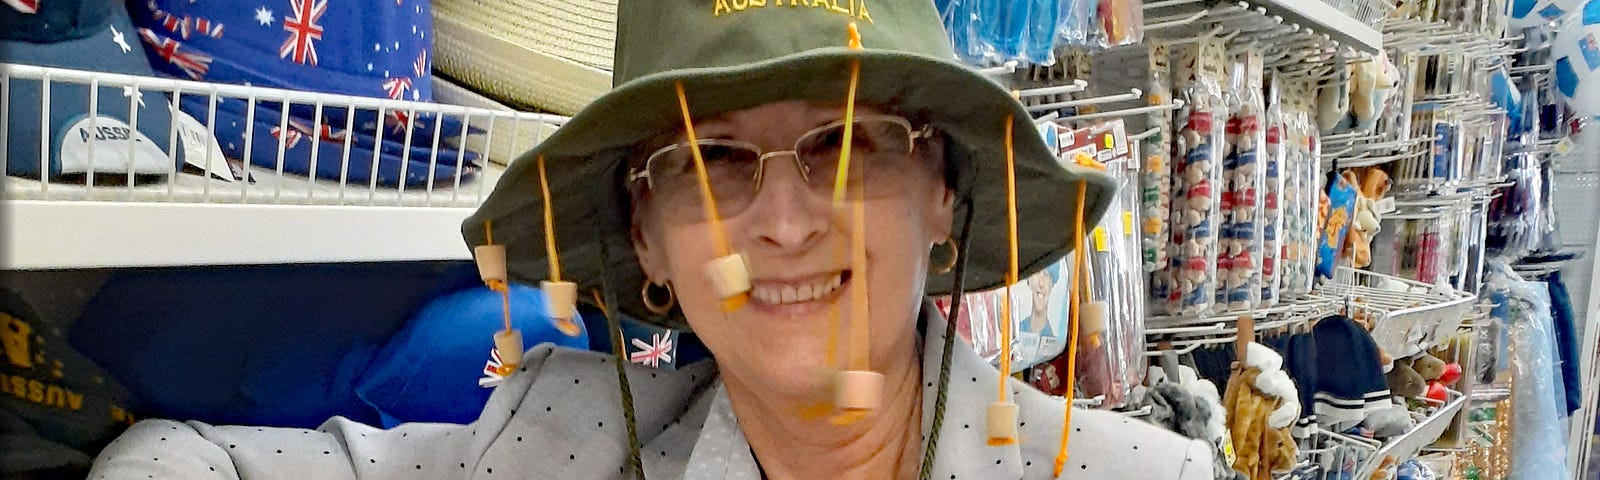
955, 254
660, 309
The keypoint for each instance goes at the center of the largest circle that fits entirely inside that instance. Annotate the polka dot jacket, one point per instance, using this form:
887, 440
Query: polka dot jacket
560, 417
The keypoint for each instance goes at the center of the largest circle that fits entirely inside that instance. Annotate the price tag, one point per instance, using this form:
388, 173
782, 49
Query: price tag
1384, 205
1127, 222
1100, 239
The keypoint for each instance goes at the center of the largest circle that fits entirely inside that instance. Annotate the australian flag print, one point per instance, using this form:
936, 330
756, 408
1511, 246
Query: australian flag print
368, 48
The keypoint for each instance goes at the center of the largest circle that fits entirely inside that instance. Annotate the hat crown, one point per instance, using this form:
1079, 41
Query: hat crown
664, 35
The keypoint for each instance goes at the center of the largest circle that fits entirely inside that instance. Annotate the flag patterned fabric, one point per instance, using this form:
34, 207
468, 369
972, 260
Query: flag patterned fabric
24, 6
368, 48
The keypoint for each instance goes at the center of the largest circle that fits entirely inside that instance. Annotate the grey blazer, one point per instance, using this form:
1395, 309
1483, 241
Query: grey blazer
560, 417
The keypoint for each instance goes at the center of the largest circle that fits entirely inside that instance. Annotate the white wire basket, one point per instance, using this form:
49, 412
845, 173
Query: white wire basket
481, 131
1409, 316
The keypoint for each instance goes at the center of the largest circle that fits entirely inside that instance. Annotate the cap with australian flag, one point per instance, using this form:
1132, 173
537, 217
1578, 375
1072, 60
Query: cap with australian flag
51, 132
369, 48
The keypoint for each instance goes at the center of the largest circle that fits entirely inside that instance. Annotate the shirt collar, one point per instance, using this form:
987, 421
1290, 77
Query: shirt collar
722, 452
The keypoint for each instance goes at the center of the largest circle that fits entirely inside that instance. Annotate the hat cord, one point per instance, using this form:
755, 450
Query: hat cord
614, 327
958, 290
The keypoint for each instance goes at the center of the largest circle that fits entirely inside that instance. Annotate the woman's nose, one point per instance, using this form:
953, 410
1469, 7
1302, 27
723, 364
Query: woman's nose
786, 214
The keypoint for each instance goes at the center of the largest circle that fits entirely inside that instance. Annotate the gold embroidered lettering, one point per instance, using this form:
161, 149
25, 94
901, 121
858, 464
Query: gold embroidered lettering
740, 5
35, 391
19, 387
720, 7
55, 397
74, 400
834, 5
758, 3
862, 15
821, 4
14, 339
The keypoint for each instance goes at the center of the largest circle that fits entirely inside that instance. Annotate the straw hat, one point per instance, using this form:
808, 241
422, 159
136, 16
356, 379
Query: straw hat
552, 55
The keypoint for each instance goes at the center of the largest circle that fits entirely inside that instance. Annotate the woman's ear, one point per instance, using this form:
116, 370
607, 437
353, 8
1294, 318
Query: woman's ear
649, 260
942, 198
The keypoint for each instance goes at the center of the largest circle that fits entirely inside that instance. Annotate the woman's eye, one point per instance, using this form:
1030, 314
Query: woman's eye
719, 153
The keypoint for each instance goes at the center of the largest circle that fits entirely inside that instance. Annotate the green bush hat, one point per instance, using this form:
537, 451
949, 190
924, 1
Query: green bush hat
732, 55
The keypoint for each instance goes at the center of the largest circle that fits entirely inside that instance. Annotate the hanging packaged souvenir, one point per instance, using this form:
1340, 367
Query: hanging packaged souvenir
1111, 332
1341, 210
1272, 204
1121, 22
1240, 253
1197, 178
1155, 180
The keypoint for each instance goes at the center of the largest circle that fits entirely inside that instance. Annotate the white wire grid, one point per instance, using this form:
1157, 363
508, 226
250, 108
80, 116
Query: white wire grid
499, 131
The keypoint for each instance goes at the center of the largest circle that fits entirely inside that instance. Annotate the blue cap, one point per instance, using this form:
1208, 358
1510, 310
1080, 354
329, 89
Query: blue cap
94, 35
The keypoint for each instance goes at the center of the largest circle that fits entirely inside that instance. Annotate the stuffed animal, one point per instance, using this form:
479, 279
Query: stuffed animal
1373, 183
1429, 366
1404, 381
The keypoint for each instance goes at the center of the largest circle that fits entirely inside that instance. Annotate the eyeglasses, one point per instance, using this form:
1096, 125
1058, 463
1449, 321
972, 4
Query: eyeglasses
880, 155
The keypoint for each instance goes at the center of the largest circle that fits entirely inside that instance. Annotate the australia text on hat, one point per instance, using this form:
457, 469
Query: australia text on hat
856, 9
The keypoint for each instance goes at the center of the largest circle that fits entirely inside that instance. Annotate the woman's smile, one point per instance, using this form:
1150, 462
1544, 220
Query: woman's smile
800, 295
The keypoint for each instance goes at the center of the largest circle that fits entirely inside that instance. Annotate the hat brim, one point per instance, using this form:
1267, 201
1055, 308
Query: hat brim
586, 162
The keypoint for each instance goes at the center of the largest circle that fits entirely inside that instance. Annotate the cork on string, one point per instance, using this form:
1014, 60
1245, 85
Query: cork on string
1075, 302
1002, 414
491, 261
730, 271
857, 390
561, 297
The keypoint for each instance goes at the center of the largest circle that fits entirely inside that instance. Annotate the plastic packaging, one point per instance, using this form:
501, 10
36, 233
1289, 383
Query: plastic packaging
1121, 22
1301, 190
1240, 256
1197, 178
1078, 18
1272, 201
1312, 186
1114, 355
1341, 210
1539, 449
1155, 180
997, 31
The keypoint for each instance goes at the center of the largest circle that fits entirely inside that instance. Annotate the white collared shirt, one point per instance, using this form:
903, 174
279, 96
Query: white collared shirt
560, 417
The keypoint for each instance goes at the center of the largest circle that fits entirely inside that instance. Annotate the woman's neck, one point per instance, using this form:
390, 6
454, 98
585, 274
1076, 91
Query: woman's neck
886, 444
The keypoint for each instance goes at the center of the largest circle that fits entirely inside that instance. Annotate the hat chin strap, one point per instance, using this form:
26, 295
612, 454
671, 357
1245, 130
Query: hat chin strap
619, 358
957, 290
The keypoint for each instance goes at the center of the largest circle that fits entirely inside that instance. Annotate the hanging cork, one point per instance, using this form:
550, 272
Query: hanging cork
730, 271
1002, 414
561, 297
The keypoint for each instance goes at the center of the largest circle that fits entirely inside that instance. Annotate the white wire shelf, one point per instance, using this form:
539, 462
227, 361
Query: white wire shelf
212, 215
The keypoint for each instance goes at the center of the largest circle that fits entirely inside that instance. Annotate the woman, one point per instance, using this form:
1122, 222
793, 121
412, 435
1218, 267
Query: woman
766, 84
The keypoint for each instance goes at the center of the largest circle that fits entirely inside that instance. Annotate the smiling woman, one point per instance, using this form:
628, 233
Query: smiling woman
756, 158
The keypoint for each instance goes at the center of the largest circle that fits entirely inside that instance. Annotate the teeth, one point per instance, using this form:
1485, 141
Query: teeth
797, 294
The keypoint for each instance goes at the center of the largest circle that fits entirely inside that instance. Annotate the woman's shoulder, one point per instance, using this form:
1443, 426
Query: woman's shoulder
1108, 445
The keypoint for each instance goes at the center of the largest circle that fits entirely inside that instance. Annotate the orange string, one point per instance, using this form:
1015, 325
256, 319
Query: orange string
841, 179
1076, 301
549, 225
719, 236
498, 285
860, 358
1011, 271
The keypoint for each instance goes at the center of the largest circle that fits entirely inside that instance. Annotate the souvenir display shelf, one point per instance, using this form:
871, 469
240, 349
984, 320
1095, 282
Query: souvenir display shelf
192, 219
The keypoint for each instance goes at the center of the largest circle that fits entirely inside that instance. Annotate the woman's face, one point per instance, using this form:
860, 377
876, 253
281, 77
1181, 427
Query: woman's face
795, 243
